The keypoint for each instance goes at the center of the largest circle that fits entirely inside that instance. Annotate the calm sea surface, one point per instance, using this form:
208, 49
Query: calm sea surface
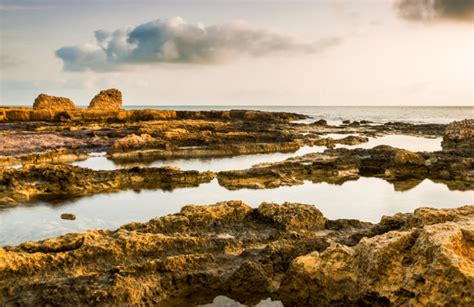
335, 115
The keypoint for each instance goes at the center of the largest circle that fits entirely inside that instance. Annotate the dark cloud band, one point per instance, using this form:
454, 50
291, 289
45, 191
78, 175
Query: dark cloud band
176, 41
426, 10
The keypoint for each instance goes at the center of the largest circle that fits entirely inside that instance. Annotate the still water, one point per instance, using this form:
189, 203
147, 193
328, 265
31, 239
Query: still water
100, 162
366, 199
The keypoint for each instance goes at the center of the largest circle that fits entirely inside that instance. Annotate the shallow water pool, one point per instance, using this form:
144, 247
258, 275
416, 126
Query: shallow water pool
366, 199
99, 162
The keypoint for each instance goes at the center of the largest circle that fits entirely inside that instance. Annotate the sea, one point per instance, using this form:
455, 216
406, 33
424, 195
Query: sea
336, 114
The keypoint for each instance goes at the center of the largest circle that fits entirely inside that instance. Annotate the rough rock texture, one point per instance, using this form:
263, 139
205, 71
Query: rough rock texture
133, 141
428, 259
288, 252
459, 136
44, 101
109, 100
49, 182
340, 165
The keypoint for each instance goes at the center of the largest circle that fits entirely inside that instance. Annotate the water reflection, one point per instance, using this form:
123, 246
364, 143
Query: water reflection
224, 301
99, 162
109, 211
202, 164
412, 143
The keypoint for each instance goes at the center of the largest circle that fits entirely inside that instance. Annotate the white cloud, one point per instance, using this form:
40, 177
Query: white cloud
176, 41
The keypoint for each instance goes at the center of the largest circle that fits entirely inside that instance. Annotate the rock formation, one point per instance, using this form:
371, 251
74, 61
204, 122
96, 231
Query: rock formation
460, 136
107, 100
287, 252
47, 102
49, 182
340, 165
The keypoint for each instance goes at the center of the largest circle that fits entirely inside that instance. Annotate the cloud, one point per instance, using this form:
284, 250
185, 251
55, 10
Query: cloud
176, 41
428, 10
8, 61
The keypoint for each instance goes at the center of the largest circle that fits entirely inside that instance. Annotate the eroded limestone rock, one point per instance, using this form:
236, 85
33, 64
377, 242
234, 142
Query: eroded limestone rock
47, 102
49, 182
107, 100
460, 136
287, 252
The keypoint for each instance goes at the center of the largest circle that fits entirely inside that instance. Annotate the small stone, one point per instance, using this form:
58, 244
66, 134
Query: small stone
68, 216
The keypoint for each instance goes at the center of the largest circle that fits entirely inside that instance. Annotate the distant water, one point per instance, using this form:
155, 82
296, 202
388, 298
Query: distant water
335, 115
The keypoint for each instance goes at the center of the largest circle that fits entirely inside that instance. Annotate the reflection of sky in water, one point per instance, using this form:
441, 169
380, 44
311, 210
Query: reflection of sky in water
365, 199
205, 164
223, 301
408, 142
99, 162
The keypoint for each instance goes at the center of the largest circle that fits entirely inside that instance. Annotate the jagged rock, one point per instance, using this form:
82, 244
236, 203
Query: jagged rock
47, 102
248, 255
459, 136
107, 100
417, 266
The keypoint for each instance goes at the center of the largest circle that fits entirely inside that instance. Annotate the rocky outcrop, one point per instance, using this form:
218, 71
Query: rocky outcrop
288, 252
124, 157
459, 136
107, 100
340, 165
47, 182
430, 261
133, 141
331, 143
47, 102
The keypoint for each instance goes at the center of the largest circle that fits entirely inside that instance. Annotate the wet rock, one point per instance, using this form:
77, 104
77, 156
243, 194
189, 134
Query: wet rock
68, 216
345, 122
47, 102
107, 100
247, 255
398, 166
320, 122
459, 136
49, 182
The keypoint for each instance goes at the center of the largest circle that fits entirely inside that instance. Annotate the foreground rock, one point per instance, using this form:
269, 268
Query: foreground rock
108, 100
287, 252
52, 182
46, 102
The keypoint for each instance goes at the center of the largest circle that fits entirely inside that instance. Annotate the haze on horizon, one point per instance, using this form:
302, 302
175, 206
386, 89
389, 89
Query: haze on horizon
222, 52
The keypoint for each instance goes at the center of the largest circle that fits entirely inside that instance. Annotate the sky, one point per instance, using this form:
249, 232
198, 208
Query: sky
223, 52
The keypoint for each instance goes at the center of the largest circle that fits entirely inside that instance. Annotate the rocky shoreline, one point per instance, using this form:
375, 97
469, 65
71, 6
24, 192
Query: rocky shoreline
288, 252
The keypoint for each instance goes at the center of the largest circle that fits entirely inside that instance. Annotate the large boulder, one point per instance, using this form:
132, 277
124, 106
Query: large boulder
459, 136
109, 100
44, 101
